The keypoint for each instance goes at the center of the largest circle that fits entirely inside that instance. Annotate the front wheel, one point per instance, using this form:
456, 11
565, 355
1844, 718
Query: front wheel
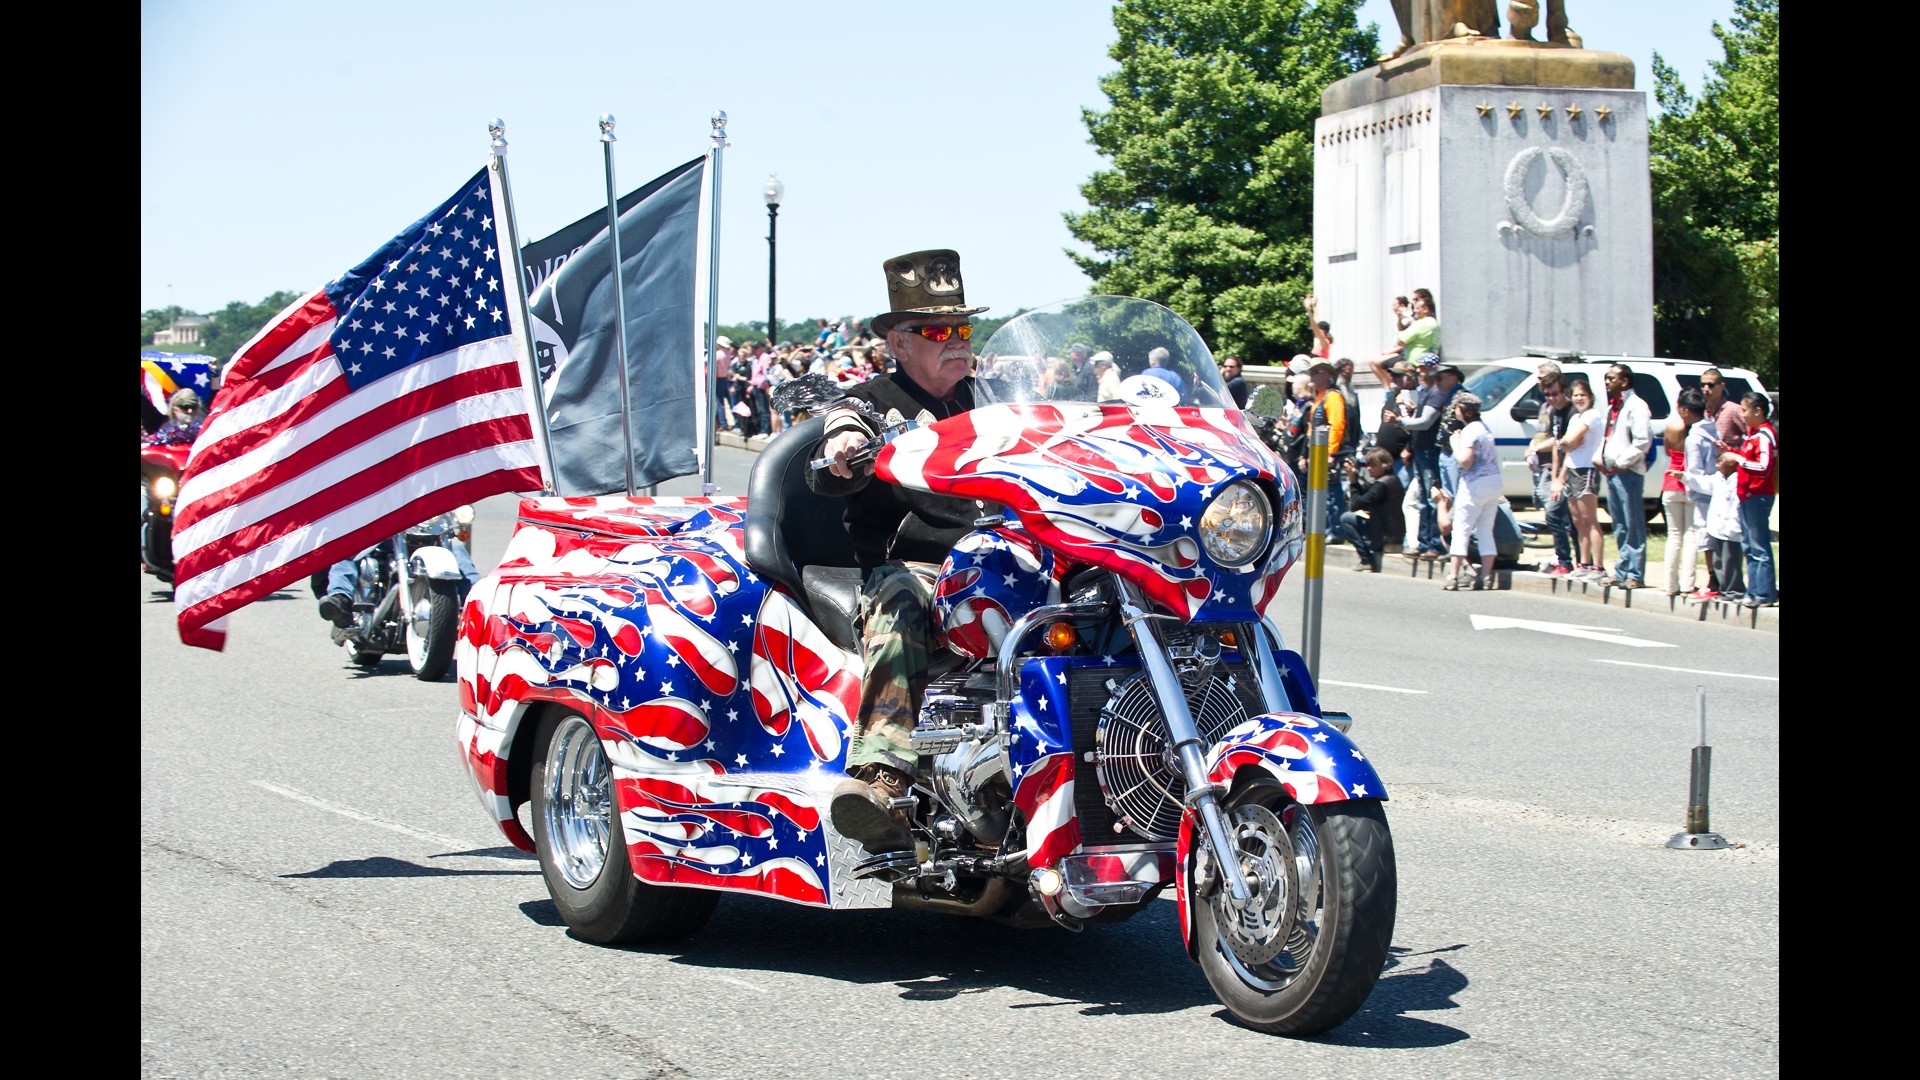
1304, 952
583, 849
430, 633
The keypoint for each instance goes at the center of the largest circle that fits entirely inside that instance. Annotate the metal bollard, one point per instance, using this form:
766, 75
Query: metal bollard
1316, 544
1699, 835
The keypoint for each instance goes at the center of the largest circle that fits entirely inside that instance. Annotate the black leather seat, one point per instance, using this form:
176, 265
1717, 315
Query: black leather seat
799, 538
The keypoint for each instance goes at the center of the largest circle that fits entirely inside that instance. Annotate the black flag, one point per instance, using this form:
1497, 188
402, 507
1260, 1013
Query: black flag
572, 306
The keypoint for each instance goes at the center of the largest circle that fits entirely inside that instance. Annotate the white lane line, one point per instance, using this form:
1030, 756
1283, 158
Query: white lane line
1370, 686
1692, 671
365, 818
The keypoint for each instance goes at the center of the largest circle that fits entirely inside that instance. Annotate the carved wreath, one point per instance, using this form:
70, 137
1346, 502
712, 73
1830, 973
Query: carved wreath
1573, 204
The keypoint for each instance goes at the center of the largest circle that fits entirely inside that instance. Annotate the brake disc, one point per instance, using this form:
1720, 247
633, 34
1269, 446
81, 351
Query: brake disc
1258, 929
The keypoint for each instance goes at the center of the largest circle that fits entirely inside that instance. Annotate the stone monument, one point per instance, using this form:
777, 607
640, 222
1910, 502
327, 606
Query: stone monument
1509, 176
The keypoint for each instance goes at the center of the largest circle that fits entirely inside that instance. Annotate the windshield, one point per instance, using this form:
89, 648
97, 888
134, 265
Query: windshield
1106, 349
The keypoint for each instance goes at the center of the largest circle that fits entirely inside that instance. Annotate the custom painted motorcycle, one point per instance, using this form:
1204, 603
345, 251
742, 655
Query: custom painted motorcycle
665, 685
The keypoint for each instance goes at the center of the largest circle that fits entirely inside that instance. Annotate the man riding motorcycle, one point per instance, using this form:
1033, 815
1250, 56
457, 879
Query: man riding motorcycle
901, 536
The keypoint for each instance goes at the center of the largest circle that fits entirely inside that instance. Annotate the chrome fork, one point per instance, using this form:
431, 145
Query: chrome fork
1201, 796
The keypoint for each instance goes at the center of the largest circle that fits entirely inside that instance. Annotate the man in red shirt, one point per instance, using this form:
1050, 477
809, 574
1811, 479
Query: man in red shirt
1759, 473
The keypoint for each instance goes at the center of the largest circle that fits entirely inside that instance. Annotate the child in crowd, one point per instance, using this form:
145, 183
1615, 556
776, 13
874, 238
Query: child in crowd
1724, 534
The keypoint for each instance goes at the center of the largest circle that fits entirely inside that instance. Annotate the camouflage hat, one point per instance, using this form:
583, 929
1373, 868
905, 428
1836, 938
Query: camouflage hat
184, 398
923, 283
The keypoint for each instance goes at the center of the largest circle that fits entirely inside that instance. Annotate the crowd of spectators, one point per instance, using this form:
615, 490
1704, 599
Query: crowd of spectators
746, 375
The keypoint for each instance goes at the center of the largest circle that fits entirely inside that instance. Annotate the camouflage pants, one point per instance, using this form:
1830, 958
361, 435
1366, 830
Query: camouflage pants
896, 621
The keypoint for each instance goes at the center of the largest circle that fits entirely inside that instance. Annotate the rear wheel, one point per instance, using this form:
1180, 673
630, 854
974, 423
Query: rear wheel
583, 850
430, 636
1305, 951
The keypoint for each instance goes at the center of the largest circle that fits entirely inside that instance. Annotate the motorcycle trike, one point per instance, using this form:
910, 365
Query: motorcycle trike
655, 694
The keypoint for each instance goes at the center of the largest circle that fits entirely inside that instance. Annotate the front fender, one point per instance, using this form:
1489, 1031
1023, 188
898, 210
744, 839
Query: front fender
436, 563
1313, 760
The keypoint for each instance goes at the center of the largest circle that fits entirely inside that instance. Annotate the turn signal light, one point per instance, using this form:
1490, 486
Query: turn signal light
1061, 637
1228, 639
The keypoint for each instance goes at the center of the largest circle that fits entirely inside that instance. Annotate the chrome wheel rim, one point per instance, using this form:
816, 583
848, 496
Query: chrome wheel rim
1270, 940
420, 610
578, 823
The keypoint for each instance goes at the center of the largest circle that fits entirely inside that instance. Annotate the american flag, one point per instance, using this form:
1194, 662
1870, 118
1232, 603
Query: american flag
387, 396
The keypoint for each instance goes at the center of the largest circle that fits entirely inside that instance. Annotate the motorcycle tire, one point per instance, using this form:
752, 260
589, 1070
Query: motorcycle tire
583, 849
1350, 916
430, 655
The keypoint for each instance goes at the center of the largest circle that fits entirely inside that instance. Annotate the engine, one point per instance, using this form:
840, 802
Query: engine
969, 775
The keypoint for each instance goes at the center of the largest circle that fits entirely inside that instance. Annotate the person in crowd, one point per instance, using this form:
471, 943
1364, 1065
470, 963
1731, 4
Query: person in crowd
1397, 442
1420, 418
742, 392
1322, 331
827, 337
1677, 503
1579, 479
1724, 533
1077, 382
757, 388
900, 536
1758, 483
1330, 408
1157, 359
184, 420
1229, 373
1108, 375
1476, 501
1624, 443
779, 373
857, 332
723, 419
1376, 517
1402, 313
1419, 336
1555, 411
1298, 416
1727, 416
1702, 460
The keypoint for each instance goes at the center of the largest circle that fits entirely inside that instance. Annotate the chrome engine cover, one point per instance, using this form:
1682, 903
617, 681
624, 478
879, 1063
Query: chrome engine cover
970, 776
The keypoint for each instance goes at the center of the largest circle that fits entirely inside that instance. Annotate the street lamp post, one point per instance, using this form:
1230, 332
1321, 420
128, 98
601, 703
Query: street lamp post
773, 191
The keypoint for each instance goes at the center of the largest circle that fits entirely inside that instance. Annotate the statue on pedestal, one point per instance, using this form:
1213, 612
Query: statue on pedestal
1458, 20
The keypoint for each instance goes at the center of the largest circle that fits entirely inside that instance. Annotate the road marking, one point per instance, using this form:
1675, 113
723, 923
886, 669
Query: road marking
1370, 686
741, 983
1692, 671
365, 818
1591, 633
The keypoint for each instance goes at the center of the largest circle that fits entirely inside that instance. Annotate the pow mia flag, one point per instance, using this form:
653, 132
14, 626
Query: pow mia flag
571, 303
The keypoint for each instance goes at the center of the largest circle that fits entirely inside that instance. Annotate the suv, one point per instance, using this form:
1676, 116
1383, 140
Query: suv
1510, 395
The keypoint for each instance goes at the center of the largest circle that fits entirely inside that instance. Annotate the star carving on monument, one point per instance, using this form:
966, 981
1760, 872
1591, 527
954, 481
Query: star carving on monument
1545, 110
1603, 112
1485, 110
1514, 109
1573, 111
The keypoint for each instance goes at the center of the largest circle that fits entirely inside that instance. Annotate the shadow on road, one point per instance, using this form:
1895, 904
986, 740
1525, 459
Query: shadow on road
380, 866
1117, 969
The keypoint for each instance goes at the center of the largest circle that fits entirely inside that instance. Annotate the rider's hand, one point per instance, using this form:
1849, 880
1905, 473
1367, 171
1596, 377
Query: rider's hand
839, 446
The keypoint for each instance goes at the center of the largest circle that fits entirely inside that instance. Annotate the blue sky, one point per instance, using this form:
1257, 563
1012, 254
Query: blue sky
281, 144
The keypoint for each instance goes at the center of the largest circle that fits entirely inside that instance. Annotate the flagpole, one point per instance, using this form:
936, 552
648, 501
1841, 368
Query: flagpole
529, 368
619, 297
719, 121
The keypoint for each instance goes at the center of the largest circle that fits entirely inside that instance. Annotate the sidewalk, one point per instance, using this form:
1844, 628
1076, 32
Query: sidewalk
1654, 598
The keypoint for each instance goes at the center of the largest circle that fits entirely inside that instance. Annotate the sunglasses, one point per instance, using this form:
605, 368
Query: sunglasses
942, 333
1710, 385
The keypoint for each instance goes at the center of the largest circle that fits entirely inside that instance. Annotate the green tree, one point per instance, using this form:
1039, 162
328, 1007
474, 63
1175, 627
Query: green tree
1716, 201
1208, 207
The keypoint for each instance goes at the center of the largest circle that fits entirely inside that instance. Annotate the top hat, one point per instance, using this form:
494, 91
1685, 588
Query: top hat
923, 283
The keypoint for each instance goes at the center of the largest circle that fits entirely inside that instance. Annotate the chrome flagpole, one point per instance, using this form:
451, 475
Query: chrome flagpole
719, 121
619, 297
517, 311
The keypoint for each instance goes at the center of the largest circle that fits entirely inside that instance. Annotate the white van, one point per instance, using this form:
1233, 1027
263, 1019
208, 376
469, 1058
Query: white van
1510, 395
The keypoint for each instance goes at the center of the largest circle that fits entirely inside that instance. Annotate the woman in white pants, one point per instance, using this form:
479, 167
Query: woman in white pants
1692, 446
1477, 501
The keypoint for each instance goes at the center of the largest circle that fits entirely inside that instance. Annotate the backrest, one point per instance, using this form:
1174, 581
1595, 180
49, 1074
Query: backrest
789, 526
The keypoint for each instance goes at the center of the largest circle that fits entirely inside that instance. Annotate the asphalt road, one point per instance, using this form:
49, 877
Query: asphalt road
321, 895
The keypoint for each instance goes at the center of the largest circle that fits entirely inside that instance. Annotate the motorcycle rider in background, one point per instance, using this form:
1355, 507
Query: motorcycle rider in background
183, 421
343, 583
900, 536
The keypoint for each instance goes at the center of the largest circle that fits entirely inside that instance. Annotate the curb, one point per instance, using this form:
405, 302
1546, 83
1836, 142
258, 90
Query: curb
1655, 601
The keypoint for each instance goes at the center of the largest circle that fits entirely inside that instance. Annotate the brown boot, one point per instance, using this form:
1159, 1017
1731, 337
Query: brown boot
860, 808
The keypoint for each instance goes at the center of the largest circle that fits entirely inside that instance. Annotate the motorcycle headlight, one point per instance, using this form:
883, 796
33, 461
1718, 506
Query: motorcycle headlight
164, 487
463, 516
1235, 526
